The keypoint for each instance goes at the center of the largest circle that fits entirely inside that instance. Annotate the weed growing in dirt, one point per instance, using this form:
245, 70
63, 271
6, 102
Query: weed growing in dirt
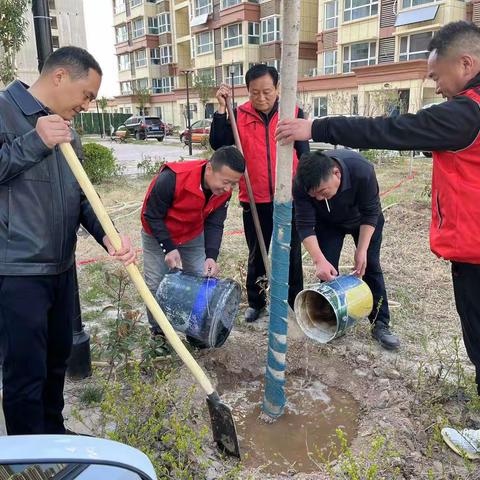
374, 463
150, 166
92, 394
146, 412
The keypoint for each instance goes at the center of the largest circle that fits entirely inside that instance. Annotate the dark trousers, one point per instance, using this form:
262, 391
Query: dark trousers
466, 286
256, 268
35, 341
330, 239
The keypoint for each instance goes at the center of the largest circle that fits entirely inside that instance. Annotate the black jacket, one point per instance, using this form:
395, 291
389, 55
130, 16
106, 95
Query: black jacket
356, 203
451, 125
41, 204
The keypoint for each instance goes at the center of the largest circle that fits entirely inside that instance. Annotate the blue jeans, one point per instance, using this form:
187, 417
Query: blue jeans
193, 258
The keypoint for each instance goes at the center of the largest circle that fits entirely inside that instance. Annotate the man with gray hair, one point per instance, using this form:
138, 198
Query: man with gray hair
451, 131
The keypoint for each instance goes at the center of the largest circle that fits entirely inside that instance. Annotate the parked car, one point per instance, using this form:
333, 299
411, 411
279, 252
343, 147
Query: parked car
67, 457
200, 132
143, 127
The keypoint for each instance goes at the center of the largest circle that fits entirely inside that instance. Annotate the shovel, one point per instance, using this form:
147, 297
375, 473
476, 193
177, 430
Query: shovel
295, 330
223, 425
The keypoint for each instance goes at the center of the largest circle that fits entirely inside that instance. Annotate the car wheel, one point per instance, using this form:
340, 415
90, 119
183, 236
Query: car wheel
138, 136
160, 139
427, 154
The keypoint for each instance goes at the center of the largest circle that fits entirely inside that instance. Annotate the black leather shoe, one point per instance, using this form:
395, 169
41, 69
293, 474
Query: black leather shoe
252, 314
382, 334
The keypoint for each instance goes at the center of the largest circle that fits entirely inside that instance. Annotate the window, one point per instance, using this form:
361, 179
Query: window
135, 3
203, 7
124, 62
359, 54
414, 46
204, 42
159, 112
121, 34
320, 106
206, 74
355, 9
330, 62
253, 33
274, 63
51, 4
155, 56
53, 23
119, 6
55, 42
270, 29
354, 105
126, 88
166, 54
232, 35
237, 73
141, 58
331, 15
164, 23
230, 3
162, 85
153, 25
138, 28
142, 83
415, 3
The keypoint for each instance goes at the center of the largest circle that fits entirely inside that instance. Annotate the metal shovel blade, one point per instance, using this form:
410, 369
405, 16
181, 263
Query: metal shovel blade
223, 425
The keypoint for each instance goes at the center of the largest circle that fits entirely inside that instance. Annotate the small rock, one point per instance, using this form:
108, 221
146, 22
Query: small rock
393, 374
363, 360
360, 372
384, 383
383, 399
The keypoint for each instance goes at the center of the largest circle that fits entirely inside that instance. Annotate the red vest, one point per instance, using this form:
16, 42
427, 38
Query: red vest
186, 217
455, 228
260, 152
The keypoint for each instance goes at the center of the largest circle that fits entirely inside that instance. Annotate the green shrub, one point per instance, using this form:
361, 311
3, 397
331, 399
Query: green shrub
99, 162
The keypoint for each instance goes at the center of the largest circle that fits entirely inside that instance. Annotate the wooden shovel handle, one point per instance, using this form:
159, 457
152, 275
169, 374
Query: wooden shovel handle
132, 269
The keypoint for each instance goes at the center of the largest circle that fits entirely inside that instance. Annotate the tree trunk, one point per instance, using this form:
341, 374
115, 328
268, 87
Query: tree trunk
274, 400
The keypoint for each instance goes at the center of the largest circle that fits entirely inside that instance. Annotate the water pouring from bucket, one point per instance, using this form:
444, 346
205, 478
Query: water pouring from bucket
326, 310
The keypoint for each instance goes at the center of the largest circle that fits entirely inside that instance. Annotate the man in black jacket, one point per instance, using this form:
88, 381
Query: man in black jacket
336, 194
450, 130
41, 208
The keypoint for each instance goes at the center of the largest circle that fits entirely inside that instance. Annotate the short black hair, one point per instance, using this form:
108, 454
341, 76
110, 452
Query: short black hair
229, 157
259, 70
313, 169
462, 36
74, 59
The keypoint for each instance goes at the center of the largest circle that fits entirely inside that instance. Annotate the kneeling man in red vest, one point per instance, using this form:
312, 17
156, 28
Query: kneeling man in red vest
183, 216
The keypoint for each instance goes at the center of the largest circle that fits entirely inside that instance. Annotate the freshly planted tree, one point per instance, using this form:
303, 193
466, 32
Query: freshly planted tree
205, 87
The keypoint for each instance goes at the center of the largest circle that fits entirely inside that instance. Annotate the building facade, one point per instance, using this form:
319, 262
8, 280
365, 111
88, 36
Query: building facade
364, 57
68, 28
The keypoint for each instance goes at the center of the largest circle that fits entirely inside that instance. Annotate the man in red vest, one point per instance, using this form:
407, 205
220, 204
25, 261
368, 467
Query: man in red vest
257, 120
183, 215
451, 131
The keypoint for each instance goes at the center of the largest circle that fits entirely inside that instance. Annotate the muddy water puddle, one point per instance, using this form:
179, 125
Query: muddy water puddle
303, 437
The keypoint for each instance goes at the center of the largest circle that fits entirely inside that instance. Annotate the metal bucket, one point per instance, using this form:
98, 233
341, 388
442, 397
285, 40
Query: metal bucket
203, 308
325, 311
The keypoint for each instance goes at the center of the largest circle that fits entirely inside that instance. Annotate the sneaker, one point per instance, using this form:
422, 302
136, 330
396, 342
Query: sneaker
465, 443
382, 334
252, 314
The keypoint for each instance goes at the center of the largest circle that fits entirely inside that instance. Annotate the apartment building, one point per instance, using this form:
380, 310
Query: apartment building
162, 42
372, 54
68, 28
355, 56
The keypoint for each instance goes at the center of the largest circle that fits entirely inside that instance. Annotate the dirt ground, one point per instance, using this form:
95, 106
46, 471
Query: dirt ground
405, 396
